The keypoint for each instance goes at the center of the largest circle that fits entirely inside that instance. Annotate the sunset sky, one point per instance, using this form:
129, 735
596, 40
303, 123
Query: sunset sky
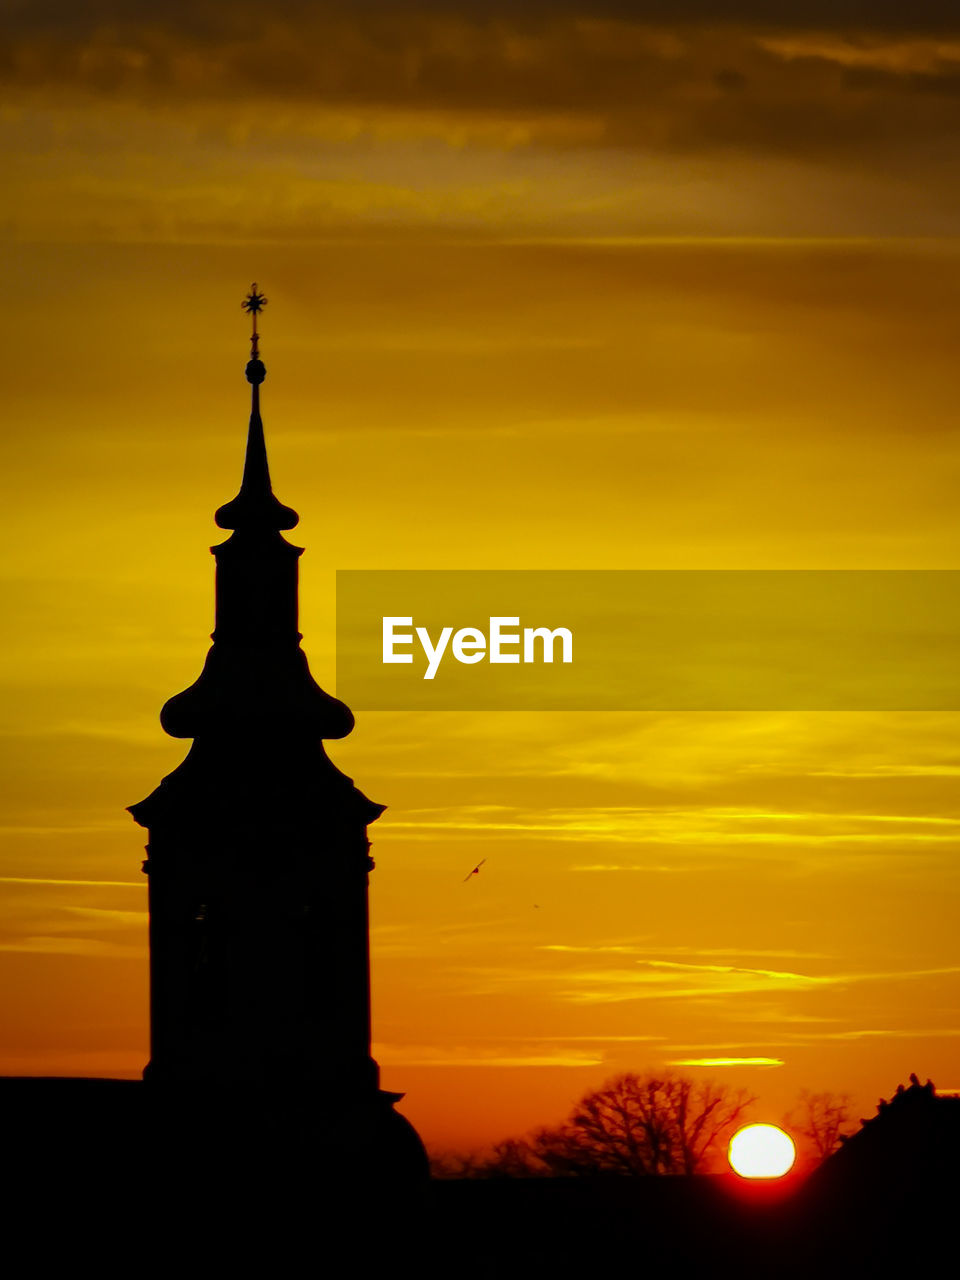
561, 285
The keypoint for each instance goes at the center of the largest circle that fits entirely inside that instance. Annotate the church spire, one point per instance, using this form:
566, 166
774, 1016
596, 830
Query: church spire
255, 508
258, 860
255, 681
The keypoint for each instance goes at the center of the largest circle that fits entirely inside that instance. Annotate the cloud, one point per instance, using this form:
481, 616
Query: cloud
597, 1039
648, 950
726, 1062
906, 57
645, 980
647, 76
676, 980
89, 828
426, 938
629, 866
698, 982
704, 826
897, 1033
459, 1056
108, 918
898, 770
779, 975
67, 946
215, 122
95, 884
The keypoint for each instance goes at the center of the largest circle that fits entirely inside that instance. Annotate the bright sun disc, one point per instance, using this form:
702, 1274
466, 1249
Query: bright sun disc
761, 1151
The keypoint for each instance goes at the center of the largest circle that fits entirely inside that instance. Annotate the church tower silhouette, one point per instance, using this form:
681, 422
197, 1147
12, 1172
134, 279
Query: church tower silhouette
258, 861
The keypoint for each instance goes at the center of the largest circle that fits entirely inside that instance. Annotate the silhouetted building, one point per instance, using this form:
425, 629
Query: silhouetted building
258, 860
885, 1201
911, 1142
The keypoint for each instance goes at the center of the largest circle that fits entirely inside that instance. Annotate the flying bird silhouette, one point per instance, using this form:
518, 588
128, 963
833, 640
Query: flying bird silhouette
475, 870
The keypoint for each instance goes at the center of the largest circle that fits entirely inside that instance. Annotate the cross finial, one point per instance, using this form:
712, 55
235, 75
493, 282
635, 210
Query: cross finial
254, 301
253, 304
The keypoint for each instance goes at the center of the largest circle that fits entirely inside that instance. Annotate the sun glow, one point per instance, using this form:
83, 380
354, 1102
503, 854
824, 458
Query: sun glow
761, 1151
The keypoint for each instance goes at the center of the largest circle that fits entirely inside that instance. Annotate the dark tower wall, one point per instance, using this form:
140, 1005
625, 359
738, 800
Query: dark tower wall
258, 921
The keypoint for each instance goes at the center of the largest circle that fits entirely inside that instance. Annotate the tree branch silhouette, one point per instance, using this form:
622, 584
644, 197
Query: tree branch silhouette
632, 1126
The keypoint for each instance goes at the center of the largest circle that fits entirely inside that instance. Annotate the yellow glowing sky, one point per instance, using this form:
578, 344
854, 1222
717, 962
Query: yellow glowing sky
562, 294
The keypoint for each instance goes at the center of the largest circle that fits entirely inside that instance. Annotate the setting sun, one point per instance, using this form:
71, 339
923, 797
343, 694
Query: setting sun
761, 1151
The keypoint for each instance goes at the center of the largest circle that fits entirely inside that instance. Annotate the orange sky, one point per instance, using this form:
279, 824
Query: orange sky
556, 294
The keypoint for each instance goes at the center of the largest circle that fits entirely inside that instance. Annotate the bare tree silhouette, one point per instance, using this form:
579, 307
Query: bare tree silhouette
820, 1118
631, 1126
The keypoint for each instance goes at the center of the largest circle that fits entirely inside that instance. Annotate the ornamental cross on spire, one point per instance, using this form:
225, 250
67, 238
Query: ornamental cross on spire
255, 509
254, 303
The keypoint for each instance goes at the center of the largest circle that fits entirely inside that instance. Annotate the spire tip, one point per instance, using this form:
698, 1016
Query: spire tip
255, 506
253, 304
